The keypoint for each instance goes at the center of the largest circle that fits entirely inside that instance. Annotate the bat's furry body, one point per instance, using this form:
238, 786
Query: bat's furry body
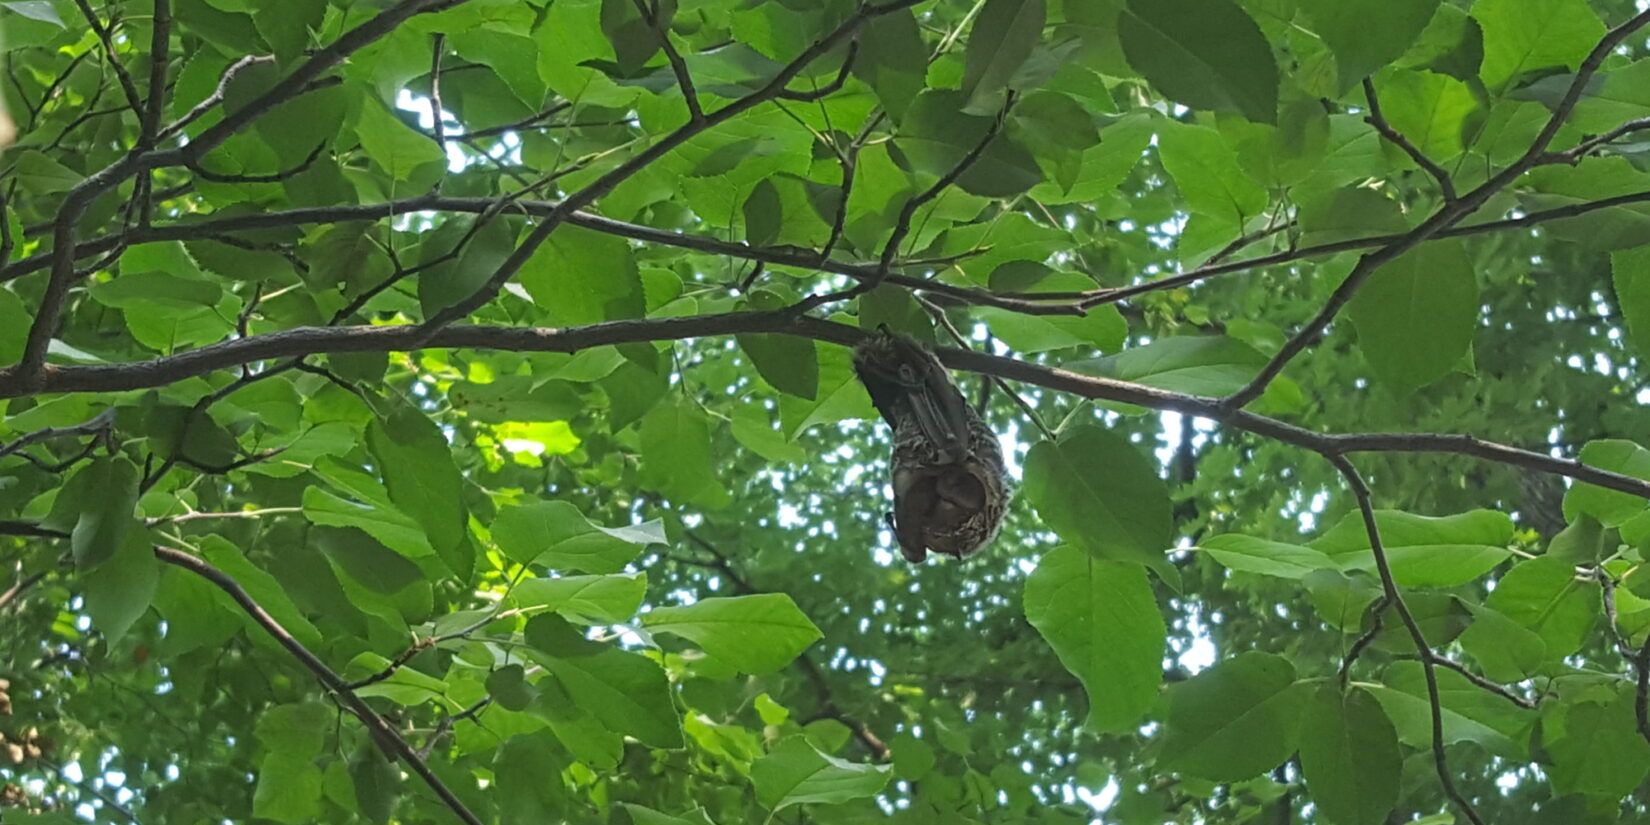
949, 494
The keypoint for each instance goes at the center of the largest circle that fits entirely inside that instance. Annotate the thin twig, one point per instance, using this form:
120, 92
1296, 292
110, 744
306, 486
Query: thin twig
98, 425
1641, 699
201, 108
939, 316
1484, 683
1396, 138
649, 11
1389, 586
1365, 639
105, 37
438, 114
908, 212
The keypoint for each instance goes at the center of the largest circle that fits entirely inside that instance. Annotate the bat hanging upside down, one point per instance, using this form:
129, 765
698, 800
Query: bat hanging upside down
947, 467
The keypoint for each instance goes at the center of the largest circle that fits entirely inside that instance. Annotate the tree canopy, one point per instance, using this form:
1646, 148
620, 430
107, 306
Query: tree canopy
442, 411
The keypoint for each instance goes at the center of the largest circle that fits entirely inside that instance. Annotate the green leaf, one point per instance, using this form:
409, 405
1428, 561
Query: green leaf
634, 39
676, 455
265, 590
556, 535
937, 135
1057, 130
156, 291
1430, 110
1424, 551
759, 633
40, 174
1349, 213
1268, 558
1207, 54
41, 10
197, 614
788, 362
913, 758
751, 428
378, 519
1630, 269
509, 687
520, 769
119, 590
1349, 755
1122, 514
1368, 34
764, 213
445, 284
423, 482
1505, 650
1103, 622
1004, 33
1342, 599
377, 783
892, 60
1451, 44
627, 692
395, 147
586, 738
1208, 365
1523, 36
107, 493
1103, 166
1543, 595
1103, 328
1600, 753
1470, 713
377, 579
1233, 721
583, 277
647, 816
605, 599
1416, 316
513, 57
1611, 508
296, 730
289, 789
1208, 173
795, 772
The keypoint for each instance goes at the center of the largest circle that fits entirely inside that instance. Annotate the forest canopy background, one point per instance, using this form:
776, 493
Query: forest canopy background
435, 411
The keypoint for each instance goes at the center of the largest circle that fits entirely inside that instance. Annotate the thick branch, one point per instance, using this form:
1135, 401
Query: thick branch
382, 731
303, 341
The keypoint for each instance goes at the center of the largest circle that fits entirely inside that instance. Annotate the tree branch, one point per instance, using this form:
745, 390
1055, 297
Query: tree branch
80, 197
105, 37
1451, 213
594, 190
98, 425
1396, 138
301, 341
908, 212
649, 11
382, 731
1389, 586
